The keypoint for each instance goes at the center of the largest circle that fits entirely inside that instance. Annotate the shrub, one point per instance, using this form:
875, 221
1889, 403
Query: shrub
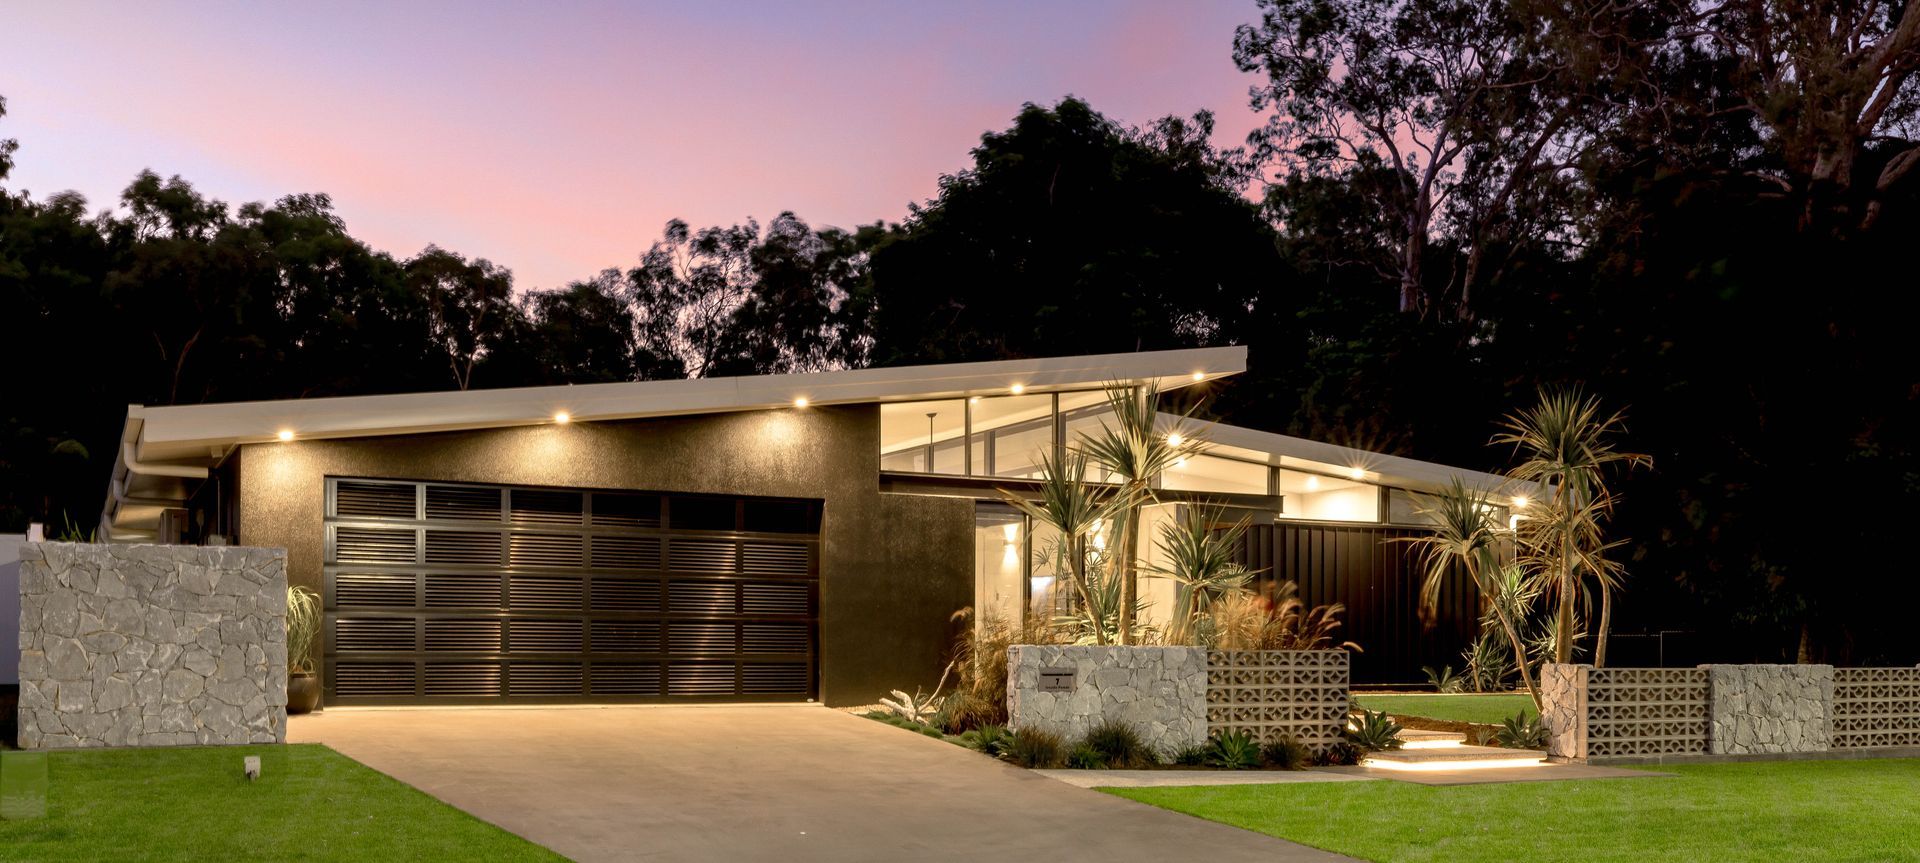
1374, 730
1119, 745
990, 739
1287, 753
980, 664
902, 722
1521, 731
1084, 757
1032, 747
1443, 680
963, 711
1233, 750
1192, 756
1341, 754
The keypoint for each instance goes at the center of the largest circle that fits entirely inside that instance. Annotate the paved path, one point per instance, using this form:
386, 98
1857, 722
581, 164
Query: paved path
760, 783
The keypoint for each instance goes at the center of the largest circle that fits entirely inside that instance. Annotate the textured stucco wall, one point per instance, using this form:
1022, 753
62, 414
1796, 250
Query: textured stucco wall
1770, 708
151, 645
893, 567
1160, 691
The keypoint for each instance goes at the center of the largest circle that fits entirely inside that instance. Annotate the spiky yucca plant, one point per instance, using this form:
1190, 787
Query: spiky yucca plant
1132, 450
1200, 559
1074, 507
1566, 446
1464, 535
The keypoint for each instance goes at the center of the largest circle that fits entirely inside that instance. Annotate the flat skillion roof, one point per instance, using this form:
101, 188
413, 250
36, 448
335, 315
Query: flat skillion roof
166, 451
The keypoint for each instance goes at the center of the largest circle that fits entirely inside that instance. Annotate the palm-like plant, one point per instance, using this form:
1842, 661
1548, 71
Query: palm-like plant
1075, 508
1200, 559
1465, 535
1566, 446
1132, 451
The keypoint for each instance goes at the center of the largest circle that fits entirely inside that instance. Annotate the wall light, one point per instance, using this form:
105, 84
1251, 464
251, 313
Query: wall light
562, 417
285, 435
1017, 389
1011, 532
801, 402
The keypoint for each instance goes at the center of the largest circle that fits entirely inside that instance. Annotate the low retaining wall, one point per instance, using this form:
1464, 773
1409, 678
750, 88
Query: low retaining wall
1160, 691
151, 645
1731, 710
1176, 697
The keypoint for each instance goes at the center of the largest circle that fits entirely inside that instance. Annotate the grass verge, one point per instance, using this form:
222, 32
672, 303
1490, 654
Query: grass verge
1774, 812
193, 803
1487, 709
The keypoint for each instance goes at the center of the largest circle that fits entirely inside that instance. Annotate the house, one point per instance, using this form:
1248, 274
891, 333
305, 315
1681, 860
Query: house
782, 537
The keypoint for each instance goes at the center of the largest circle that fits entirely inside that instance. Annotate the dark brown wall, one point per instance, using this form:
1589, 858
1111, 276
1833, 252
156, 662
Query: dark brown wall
1376, 573
893, 567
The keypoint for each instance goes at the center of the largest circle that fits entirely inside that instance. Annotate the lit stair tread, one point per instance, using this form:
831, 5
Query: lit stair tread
1420, 735
1454, 753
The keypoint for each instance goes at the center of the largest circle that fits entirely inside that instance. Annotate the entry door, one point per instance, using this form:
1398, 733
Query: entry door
449, 593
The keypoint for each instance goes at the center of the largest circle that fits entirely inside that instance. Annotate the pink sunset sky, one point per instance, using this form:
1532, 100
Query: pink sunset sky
557, 139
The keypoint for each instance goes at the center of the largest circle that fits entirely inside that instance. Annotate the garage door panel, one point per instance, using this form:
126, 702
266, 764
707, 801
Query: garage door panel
439, 593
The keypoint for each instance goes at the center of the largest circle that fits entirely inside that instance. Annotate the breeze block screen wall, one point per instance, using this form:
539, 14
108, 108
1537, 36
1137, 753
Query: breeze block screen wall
152, 645
1731, 710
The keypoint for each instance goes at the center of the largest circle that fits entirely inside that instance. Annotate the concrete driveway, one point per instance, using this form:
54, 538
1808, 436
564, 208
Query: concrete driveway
785, 783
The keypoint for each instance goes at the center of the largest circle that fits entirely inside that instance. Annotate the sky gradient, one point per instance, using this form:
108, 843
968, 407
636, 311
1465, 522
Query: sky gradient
557, 139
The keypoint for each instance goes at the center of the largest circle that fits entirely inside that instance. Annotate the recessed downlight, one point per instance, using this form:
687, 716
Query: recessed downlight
562, 417
285, 435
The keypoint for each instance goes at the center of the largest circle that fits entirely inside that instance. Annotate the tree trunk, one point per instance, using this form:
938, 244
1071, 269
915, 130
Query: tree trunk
1519, 656
1077, 548
1412, 257
1129, 571
1606, 624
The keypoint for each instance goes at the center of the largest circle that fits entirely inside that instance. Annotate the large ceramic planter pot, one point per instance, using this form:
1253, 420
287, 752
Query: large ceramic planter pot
303, 692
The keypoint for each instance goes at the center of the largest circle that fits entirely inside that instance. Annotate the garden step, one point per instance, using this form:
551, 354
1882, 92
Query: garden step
1430, 738
1453, 753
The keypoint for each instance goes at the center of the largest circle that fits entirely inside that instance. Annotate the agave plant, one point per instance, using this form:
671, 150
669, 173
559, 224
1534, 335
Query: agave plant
917, 707
1374, 730
1132, 451
1522, 731
1566, 446
1200, 561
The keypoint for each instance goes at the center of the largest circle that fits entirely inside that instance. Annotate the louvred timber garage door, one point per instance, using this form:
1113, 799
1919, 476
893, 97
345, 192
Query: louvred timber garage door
444, 593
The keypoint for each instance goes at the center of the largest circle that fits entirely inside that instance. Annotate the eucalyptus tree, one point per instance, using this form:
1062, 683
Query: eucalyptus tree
1566, 447
1066, 502
1132, 451
1466, 536
1451, 99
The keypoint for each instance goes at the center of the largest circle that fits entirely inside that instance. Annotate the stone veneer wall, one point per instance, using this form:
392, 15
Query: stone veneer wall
1160, 691
151, 645
1563, 709
1770, 708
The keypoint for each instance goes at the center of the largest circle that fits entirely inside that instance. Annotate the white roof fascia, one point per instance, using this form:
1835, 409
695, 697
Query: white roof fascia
1372, 467
190, 431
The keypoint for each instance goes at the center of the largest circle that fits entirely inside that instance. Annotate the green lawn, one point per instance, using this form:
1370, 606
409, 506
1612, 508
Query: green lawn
1710, 813
193, 804
1489, 709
